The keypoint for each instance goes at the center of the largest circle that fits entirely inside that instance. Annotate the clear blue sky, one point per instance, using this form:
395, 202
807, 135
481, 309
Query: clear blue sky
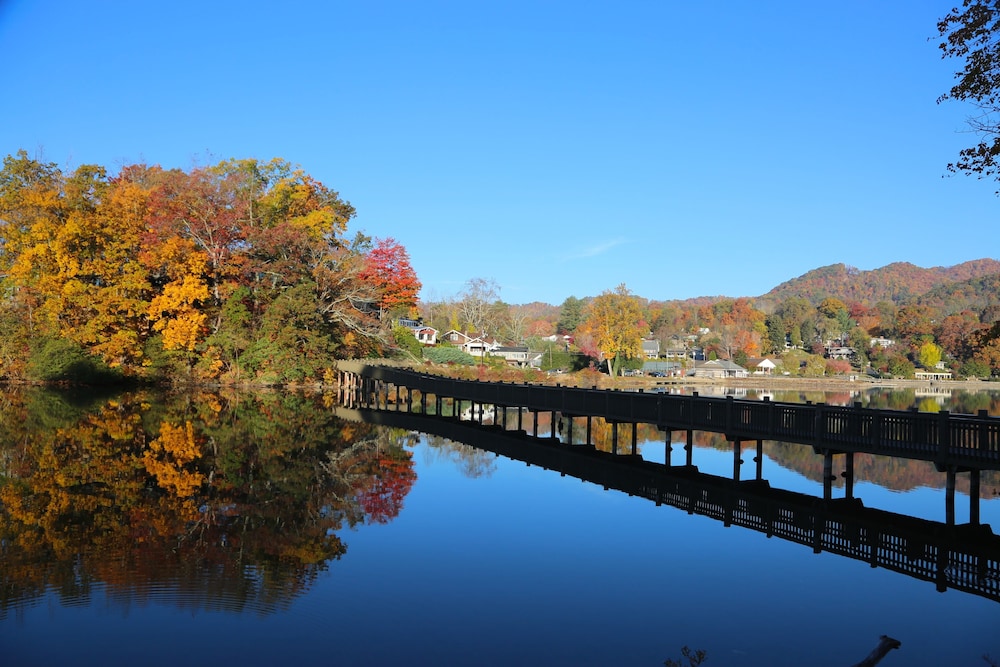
560, 148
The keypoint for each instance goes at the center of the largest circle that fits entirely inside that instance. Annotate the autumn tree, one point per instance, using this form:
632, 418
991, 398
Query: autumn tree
929, 355
613, 319
387, 267
155, 271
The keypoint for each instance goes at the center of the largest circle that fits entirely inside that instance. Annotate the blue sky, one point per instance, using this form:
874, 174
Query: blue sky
559, 148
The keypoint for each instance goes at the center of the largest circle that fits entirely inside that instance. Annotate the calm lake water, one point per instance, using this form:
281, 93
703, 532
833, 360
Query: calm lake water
259, 529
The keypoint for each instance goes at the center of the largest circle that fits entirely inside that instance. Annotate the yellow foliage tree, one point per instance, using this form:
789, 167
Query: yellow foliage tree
613, 319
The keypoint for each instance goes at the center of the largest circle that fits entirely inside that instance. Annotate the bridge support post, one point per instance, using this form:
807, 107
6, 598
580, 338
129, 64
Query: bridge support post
949, 497
614, 437
827, 474
759, 460
849, 474
974, 496
552, 424
737, 458
589, 426
668, 447
689, 447
635, 438
520, 417
569, 430
534, 430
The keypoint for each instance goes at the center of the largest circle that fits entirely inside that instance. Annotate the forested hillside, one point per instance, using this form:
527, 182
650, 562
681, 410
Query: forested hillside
897, 283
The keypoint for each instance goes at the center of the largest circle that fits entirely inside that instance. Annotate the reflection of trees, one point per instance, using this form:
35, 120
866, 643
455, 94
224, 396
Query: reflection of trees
471, 462
888, 472
214, 499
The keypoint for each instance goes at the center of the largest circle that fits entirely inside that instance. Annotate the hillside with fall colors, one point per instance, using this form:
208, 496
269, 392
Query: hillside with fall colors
898, 283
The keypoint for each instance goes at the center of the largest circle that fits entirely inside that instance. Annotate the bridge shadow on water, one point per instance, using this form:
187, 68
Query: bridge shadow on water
960, 557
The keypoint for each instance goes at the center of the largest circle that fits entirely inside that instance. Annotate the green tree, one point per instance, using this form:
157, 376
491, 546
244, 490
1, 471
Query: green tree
570, 315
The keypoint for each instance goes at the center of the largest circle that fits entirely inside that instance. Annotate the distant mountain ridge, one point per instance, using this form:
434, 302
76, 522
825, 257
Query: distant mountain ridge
899, 282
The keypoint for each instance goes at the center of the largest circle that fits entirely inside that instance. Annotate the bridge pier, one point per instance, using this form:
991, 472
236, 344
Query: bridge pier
635, 438
759, 460
974, 497
737, 458
949, 496
689, 448
828, 474
588, 429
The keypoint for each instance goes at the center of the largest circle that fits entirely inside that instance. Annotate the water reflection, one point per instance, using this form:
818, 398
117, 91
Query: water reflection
965, 557
214, 501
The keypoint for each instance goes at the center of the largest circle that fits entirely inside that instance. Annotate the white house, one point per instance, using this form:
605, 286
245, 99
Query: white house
719, 368
761, 366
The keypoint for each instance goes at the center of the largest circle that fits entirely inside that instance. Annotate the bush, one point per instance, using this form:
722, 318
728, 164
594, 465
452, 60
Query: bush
406, 341
449, 355
61, 360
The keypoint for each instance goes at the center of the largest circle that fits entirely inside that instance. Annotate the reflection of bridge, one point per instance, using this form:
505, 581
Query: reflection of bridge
953, 442
965, 558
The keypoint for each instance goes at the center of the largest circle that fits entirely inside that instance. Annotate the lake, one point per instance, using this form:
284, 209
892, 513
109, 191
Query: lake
258, 529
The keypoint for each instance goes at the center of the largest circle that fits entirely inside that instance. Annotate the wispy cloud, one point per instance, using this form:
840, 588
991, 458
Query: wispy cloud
594, 250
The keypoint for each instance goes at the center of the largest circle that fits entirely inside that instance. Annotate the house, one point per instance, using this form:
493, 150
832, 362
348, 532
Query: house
719, 368
675, 348
513, 355
651, 348
761, 366
480, 345
932, 375
425, 334
881, 342
456, 337
839, 352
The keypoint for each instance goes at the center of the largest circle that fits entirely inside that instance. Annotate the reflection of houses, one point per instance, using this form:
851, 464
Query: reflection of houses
651, 348
719, 368
761, 366
515, 355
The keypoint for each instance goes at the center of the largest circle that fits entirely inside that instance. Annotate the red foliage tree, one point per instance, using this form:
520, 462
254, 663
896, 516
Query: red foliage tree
387, 268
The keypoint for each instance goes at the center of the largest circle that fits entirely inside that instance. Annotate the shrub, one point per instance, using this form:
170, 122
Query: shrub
449, 355
61, 360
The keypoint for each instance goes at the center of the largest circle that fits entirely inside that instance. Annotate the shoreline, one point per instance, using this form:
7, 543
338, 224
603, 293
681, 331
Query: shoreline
813, 384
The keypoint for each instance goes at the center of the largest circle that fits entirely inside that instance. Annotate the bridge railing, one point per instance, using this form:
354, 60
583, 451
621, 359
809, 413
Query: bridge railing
945, 438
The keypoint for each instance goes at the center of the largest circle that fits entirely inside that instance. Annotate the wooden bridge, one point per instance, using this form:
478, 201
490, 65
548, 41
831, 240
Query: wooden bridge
965, 558
953, 442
